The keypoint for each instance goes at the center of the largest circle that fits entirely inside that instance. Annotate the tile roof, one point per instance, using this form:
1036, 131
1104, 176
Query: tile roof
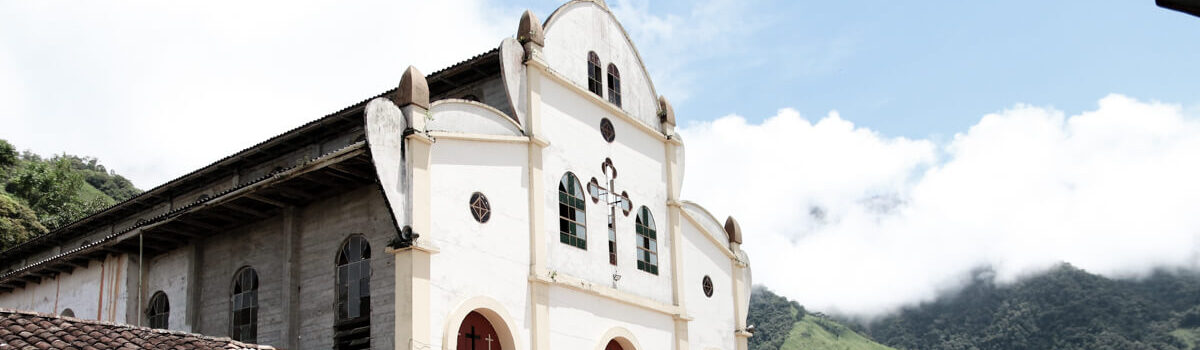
30, 330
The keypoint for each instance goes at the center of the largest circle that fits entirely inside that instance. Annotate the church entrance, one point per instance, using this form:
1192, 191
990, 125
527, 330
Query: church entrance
476, 333
613, 345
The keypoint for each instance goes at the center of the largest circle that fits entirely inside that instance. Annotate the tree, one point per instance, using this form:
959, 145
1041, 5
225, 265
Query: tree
18, 223
52, 190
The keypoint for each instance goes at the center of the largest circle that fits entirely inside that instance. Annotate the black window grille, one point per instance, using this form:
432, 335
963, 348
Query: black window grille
352, 329
244, 306
159, 311
572, 219
595, 85
614, 85
647, 239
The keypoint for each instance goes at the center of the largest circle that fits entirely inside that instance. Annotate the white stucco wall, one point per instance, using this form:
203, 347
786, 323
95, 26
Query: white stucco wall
713, 322
572, 125
97, 292
582, 26
579, 321
479, 259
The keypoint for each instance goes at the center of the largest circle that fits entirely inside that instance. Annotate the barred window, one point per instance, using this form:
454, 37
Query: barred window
159, 310
647, 240
352, 329
595, 85
244, 306
572, 220
614, 85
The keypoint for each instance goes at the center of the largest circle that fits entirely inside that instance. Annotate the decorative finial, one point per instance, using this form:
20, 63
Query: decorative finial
530, 29
666, 113
414, 90
733, 230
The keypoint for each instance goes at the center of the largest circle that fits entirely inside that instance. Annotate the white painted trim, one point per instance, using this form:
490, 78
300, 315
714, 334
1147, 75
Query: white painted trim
713, 238
551, 19
506, 117
622, 335
493, 311
476, 137
560, 279
596, 100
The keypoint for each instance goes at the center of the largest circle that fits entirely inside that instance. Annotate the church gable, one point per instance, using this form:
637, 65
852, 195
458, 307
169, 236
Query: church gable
584, 42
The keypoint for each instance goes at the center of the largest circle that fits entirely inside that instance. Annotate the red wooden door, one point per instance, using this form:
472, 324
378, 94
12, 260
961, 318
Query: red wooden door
476, 333
613, 345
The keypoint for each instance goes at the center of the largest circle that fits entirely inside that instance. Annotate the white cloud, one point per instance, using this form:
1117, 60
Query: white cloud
158, 89
843, 219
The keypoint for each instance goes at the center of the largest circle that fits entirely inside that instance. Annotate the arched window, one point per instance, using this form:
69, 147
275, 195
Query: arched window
595, 85
572, 228
158, 311
243, 320
68, 313
647, 240
352, 329
614, 85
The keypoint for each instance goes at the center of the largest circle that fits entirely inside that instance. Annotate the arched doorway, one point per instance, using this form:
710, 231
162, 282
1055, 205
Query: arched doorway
613, 345
477, 333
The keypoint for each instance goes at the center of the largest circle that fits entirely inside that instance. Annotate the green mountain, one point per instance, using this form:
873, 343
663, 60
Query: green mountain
1064, 308
784, 324
38, 195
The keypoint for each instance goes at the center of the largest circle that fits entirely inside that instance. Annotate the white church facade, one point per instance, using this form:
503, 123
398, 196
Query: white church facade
526, 198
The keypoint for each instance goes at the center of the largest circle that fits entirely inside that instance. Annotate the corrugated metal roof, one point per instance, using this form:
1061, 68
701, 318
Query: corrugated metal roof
149, 195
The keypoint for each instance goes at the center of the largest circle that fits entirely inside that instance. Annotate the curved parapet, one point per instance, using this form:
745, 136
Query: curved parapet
470, 117
512, 71
708, 224
583, 26
385, 127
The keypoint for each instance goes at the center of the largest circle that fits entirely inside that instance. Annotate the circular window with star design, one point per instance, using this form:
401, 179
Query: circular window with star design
481, 210
606, 130
708, 286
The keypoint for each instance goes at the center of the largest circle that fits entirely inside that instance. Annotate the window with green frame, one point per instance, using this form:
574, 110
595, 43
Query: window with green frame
572, 228
647, 240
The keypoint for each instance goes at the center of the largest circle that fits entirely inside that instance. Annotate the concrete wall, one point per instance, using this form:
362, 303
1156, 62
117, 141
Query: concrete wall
168, 273
98, 292
323, 227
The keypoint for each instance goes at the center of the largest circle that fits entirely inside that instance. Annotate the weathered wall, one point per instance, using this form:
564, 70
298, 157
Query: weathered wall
323, 227
169, 273
257, 245
479, 259
97, 292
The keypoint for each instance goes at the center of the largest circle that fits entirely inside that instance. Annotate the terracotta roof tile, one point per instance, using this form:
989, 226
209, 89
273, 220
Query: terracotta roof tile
30, 330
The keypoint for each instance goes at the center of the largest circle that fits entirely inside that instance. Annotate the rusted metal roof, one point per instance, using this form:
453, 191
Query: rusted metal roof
344, 119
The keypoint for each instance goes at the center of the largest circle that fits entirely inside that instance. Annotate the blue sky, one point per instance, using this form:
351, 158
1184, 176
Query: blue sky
918, 69
1014, 134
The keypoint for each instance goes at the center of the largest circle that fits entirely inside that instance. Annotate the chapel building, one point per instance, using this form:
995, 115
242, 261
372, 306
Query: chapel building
526, 198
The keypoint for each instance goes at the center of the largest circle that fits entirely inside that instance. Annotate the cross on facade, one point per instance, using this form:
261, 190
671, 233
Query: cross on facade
613, 201
473, 337
489, 340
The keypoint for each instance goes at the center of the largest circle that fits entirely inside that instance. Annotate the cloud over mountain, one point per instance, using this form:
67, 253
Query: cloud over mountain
845, 219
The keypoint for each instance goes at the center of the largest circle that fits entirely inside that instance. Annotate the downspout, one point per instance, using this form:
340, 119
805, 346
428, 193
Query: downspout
137, 307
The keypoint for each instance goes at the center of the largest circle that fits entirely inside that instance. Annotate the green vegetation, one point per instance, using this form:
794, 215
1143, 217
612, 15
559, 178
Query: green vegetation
783, 324
38, 195
1065, 308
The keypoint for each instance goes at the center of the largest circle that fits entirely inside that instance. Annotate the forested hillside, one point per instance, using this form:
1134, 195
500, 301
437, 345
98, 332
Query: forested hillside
1065, 308
40, 194
783, 324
